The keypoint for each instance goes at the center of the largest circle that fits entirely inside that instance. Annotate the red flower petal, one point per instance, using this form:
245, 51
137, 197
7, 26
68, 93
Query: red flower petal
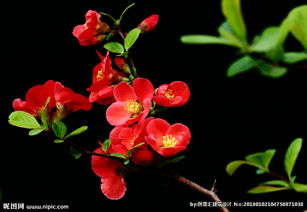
117, 115
143, 88
114, 187
181, 133
149, 23
124, 92
157, 128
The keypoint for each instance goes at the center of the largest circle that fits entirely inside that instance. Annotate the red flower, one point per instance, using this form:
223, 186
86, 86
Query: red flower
92, 31
149, 23
63, 98
167, 139
172, 95
113, 185
132, 102
36, 98
125, 138
103, 79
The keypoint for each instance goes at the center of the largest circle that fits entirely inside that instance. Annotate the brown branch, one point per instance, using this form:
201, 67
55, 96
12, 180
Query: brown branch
209, 193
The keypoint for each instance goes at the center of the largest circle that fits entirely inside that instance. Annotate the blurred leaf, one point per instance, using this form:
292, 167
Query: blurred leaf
75, 153
114, 47
241, 65
36, 131
227, 33
58, 141
233, 14
276, 183
77, 131
291, 155
133, 148
265, 189
131, 37
176, 159
260, 171
267, 40
234, 165
298, 24
204, 39
59, 129
269, 70
106, 144
294, 57
118, 155
300, 187
24, 120
262, 159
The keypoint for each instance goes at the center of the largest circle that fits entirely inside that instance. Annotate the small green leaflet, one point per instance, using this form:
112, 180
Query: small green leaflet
265, 189
291, 155
77, 131
131, 37
114, 47
36, 131
75, 153
241, 65
106, 144
59, 129
24, 120
118, 155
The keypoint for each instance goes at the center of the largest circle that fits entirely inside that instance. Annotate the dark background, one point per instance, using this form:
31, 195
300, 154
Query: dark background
228, 118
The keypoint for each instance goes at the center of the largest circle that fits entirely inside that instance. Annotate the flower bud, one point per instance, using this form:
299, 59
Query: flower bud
122, 65
149, 23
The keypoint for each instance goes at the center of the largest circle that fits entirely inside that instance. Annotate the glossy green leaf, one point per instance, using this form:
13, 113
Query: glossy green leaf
233, 14
118, 155
300, 187
133, 148
265, 189
36, 131
131, 37
227, 33
262, 159
298, 24
24, 120
106, 144
75, 153
291, 155
241, 65
234, 165
204, 39
267, 40
58, 141
270, 70
294, 57
114, 47
276, 183
59, 129
77, 131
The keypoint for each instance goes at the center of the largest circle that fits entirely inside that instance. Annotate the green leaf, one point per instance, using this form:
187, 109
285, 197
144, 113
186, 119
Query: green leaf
291, 155
75, 153
77, 131
36, 131
58, 141
267, 40
298, 25
265, 189
133, 148
234, 165
227, 33
176, 159
233, 14
106, 144
294, 57
300, 187
114, 47
262, 159
24, 120
59, 129
204, 39
118, 155
260, 171
241, 65
131, 37
269, 70
276, 183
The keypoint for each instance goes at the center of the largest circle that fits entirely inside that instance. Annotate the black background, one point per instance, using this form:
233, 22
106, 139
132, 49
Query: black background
228, 118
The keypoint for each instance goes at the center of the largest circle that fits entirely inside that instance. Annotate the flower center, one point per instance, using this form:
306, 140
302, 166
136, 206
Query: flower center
169, 141
99, 75
131, 142
169, 93
133, 106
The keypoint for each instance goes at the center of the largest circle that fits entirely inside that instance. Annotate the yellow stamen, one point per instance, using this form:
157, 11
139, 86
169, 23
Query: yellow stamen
133, 106
169, 93
99, 75
169, 141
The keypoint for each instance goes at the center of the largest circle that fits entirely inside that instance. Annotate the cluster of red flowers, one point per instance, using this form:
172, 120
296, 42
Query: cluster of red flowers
135, 137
